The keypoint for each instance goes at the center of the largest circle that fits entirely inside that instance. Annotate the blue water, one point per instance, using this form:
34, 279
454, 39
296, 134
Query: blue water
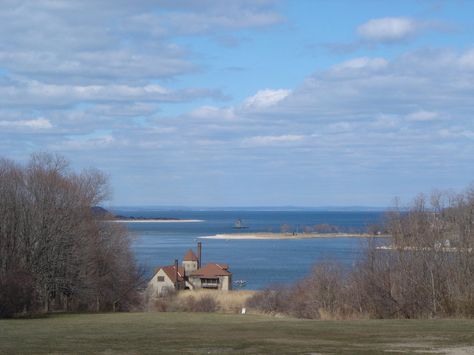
260, 262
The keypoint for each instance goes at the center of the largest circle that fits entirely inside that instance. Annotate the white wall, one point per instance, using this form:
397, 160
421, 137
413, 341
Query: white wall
190, 266
158, 287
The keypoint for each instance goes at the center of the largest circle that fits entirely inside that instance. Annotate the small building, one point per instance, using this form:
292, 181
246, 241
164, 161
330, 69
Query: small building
168, 277
191, 275
212, 276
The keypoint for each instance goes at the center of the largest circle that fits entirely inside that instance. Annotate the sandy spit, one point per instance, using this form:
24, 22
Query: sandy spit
289, 236
156, 220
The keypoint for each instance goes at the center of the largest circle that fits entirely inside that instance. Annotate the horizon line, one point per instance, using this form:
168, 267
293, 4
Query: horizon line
283, 207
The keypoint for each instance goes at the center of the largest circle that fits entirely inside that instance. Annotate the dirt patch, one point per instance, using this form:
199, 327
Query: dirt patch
462, 350
428, 348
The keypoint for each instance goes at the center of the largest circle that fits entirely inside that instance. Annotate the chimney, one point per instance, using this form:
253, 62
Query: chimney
176, 273
199, 254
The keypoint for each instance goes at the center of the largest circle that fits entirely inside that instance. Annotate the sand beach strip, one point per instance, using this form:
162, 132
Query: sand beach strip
266, 235
156, 220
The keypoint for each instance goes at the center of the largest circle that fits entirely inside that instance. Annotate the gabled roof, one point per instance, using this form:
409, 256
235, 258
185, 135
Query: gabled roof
170, 272
190, 256
212, 270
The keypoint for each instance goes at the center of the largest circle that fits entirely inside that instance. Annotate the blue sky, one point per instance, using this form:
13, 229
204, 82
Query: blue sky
244, 102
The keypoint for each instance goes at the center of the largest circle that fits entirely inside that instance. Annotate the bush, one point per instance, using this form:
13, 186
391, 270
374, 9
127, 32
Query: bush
205, 303
17, 293
271, 300
174, 302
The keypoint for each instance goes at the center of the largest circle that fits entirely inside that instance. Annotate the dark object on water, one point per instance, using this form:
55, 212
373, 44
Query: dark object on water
240, 283
239, 225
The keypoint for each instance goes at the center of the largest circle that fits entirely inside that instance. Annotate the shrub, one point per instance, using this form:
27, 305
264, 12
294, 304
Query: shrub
205, 303
271, 300
17, 293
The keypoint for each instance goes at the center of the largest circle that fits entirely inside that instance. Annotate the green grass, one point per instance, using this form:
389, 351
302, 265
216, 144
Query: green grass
141, 333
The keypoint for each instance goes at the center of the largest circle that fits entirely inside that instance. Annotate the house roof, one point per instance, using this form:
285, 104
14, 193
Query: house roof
190, 256
212, 270
170, 272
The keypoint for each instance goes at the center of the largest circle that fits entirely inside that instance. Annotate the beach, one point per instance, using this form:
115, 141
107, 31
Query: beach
239, 236
156, 220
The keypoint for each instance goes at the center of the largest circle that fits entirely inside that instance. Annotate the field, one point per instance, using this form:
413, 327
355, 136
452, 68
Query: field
149, 333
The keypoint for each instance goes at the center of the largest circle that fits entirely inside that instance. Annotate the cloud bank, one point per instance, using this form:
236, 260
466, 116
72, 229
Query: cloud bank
117, 85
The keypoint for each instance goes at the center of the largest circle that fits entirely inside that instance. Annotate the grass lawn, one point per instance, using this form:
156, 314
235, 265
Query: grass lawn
168, 333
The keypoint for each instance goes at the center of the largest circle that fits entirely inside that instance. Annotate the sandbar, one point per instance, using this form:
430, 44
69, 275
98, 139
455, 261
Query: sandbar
290, 235
156, 220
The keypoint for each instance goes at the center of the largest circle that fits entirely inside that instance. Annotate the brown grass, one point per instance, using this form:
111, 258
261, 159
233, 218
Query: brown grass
211, 333
227, 301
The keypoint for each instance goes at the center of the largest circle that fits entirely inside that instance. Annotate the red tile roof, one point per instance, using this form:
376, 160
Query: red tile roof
212, 270
170, 272
190, 256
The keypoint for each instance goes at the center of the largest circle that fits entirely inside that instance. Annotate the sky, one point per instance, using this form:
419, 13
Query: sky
244, 102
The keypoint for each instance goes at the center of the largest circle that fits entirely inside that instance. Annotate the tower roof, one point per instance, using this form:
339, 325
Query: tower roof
190, 256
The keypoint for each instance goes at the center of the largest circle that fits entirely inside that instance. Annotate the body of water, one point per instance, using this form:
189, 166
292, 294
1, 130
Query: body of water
260, 262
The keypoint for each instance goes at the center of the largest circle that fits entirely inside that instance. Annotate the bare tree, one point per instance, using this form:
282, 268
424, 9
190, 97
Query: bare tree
427, 272
285, 228
76, 260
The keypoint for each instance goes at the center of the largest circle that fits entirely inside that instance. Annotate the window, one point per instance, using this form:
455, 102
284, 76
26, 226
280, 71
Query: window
209, 283
160, 279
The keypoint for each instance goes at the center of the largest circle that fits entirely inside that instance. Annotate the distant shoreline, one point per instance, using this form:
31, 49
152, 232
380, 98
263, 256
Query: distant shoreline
156, 220
276, 236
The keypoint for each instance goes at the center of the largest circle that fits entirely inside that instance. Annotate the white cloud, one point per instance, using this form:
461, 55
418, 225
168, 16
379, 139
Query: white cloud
32, 92
196, 23
261, 101
212, 112
129, 109
341, 126
265, 98
467, 59
115, 41
272, 140
422, 116
38, 123
200, 17
456, 133
388, 29
96, 66
385, 122
89, 143
362, 63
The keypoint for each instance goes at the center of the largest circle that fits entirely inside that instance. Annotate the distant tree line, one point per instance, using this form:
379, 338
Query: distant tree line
325, 228
55, 252
426, 271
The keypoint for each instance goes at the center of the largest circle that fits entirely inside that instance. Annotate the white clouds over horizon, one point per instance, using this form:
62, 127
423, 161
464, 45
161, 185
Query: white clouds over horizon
139, 90
388, 114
